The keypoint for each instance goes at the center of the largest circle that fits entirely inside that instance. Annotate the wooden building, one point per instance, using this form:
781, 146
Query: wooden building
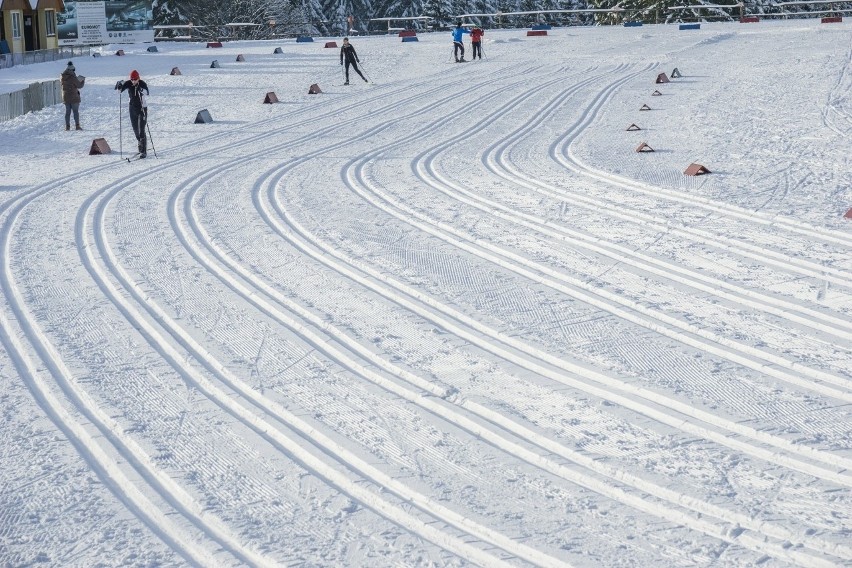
29, 25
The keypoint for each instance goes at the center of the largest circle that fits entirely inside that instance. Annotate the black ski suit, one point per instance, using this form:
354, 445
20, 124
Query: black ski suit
347, 53
138, 109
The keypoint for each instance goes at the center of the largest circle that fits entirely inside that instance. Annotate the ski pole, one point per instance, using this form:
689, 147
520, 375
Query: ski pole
150, 137
364, 73
120, 136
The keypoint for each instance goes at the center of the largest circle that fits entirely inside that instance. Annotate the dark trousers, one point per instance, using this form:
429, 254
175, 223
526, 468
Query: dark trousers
458, 46
139, 119
477, 48
355, 67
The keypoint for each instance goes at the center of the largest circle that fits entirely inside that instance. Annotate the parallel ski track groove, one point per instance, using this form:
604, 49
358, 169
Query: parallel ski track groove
356, 180
496, 162
674, 328
103, 243
106, 467
261, 425
324, 255
114, 477
730, 347
560, 151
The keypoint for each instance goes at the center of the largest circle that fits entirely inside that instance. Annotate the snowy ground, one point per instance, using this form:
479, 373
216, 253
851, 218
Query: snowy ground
450, 318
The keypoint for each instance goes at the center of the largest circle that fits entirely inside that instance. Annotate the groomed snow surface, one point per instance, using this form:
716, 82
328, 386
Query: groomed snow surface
448, 318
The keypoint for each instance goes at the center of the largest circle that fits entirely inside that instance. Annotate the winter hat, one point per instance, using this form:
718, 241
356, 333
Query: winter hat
70, 66
134, 75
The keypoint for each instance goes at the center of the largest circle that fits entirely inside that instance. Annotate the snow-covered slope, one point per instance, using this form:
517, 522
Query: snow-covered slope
447, 318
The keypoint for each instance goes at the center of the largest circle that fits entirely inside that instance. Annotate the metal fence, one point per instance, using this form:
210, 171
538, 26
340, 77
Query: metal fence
35, 97
43, 55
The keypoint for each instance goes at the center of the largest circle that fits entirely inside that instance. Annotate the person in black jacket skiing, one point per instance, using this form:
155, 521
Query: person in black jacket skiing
347, 53
138, 90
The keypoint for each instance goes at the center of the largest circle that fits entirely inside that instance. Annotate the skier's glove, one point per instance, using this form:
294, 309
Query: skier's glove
118, 85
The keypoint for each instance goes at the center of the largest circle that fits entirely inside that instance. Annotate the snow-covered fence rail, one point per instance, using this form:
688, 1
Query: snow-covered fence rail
35, 97
811, 8
699, 12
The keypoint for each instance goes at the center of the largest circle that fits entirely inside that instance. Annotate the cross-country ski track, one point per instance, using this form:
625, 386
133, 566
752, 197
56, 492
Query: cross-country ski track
430, 323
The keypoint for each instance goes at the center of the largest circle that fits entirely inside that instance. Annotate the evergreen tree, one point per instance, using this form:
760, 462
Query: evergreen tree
329, 16
440, 10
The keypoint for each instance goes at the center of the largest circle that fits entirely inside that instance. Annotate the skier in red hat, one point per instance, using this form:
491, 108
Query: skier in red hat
138, 90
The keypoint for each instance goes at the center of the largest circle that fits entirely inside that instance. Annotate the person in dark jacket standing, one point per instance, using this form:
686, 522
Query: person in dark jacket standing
347, 54
476, 42
138, 90
71, 85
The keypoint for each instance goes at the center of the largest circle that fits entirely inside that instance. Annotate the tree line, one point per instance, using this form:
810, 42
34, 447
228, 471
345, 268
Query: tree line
283, 18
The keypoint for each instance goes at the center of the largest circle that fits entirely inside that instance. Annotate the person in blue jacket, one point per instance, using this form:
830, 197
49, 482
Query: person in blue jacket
458, 46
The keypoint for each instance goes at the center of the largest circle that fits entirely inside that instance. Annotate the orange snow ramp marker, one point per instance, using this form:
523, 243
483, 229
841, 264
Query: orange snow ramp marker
661, 78
633, 127
331, 44
99, 146
536, 32
696, 170
270, 98
240, 57
848, 214
175, 71
643, 147
314, 89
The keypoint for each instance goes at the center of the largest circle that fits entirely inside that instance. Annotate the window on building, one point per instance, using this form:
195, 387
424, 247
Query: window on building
50, 22
16, 25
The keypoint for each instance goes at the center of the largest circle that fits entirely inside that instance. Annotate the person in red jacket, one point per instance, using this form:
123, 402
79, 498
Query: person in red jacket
476, 41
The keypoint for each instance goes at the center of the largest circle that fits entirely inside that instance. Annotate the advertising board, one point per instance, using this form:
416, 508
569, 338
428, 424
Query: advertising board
96, 23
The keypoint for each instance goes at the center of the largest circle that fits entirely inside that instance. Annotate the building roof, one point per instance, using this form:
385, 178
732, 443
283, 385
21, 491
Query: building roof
32, 5
57, 5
